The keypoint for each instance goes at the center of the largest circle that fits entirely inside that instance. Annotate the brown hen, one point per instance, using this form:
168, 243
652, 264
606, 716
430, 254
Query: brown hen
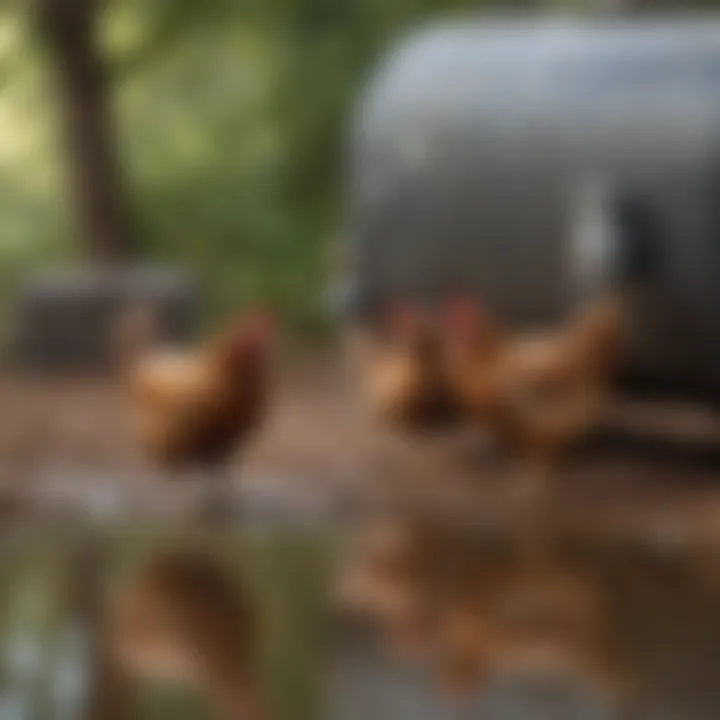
541, 393
401, 375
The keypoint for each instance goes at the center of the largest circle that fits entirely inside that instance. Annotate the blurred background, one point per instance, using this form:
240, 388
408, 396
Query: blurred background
228, 119
211, 137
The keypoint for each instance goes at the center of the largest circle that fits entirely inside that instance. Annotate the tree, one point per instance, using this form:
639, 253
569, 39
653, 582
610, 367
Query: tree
69, 28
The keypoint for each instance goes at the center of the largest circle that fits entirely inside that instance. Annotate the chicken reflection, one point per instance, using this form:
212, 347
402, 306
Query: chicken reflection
475, 608
183, 617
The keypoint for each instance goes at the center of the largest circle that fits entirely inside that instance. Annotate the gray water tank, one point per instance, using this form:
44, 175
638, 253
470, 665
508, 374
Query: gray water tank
66, 318
479, 143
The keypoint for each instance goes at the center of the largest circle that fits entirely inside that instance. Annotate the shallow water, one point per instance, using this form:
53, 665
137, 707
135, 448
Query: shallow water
44, 655
662, 611
662, 625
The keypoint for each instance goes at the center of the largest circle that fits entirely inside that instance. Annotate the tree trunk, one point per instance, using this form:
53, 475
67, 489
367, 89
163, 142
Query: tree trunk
69, 28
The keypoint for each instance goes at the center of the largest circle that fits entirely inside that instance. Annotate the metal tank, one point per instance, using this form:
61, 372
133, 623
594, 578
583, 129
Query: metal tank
529, 162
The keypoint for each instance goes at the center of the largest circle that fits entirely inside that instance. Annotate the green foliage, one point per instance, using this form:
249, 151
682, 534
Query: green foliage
231, 118
31, 206
233, 122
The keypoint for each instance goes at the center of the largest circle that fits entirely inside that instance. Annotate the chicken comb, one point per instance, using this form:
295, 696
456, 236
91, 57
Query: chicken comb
250, 336
465, 316
405, 320
258, 326
461, 312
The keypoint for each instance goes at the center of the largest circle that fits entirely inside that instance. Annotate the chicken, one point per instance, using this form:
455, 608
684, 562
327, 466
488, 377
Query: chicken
183, 617
542, 392
400, 373
197, 408
387, 580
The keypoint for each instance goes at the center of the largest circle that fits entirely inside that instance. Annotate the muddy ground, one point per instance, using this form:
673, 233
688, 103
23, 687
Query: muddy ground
653, 470
651, 475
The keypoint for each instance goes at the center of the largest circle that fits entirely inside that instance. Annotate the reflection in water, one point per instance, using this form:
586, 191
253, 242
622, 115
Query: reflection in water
185, 618
494, 622
439, 590
54, 664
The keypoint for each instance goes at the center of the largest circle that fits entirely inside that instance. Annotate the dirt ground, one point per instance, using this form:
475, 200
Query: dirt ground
655, 473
